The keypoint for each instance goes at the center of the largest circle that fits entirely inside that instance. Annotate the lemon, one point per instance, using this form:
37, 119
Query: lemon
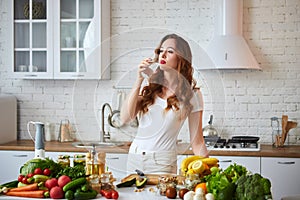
198, 167
191, 164
190, 171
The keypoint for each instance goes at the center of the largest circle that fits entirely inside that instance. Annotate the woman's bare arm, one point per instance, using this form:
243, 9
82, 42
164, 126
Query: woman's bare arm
196, 134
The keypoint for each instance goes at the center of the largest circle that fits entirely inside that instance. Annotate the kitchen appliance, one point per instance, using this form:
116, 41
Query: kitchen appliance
8, 118
39, 145
228, 48
235, 143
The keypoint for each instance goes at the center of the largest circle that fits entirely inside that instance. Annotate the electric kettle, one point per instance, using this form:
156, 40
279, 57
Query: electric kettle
38, 139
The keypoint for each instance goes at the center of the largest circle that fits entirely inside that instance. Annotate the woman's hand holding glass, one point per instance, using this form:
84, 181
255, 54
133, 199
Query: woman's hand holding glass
144, 69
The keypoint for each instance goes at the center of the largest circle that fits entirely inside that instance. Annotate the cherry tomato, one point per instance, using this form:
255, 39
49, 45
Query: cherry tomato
20, 178
47, 172
24, 180
106, 193
114, 194
29, 175
38, 171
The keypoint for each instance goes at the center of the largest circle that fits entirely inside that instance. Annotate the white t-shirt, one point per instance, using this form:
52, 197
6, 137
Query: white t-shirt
158, 129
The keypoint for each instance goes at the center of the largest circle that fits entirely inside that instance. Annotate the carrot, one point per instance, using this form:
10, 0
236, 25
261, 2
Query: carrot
29, 194
30, 187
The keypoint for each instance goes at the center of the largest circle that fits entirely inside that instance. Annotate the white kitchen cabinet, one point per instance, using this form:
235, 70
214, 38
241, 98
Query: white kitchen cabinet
283, 174
179, 160
251, 163
11, 163
117, 164
61, 39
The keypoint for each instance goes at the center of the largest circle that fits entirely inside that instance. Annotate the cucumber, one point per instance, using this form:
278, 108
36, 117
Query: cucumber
91, 194
74, 184
11, 184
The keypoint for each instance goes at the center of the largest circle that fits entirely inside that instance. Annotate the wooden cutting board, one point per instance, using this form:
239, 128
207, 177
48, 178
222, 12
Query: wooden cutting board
152, 179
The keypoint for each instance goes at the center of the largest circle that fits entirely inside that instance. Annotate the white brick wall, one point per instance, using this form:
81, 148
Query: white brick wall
242, 101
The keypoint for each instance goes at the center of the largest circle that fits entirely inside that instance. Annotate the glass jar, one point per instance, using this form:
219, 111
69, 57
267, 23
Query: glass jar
105, 181
165, 182
64, 160
191, 181
79, 159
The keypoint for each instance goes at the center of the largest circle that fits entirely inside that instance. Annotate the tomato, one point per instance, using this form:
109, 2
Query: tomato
47, 172
106, 193
20, 178
24, 180
38, 171
30, 175
114, 194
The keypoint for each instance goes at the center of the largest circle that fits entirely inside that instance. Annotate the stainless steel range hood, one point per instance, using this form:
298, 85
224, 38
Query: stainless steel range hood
228, 49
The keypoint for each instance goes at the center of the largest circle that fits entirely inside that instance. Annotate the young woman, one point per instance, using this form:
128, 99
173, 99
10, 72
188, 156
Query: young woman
162, 107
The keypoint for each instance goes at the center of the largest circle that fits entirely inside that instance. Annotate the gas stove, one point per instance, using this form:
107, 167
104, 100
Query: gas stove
236, 143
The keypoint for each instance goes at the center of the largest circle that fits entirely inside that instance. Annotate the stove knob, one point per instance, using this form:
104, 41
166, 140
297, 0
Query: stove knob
227, 146
221, 146
215, 146
233, 146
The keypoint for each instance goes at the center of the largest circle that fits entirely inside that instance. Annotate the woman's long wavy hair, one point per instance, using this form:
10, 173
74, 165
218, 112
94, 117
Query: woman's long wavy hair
186, 83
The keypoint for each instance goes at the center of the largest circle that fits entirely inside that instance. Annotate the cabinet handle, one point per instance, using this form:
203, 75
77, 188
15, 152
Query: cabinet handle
225, 161
78, 75
286, 163
30, 75
20, 156
113, 158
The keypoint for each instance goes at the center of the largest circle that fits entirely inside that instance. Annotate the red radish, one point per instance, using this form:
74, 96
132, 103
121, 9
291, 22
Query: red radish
63, 180
50, 183
56, 193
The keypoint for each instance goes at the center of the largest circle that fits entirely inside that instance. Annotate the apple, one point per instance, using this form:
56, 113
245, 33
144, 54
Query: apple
50, 183
56, 193
63, 180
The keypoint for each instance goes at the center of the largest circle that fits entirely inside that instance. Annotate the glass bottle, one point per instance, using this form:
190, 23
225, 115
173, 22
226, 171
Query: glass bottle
95, 162
275, 131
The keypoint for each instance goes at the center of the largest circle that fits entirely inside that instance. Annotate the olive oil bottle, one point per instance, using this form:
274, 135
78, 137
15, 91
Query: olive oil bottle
95, 162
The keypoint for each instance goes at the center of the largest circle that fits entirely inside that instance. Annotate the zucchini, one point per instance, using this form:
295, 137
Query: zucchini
128, 183
38, 178
74, 184
91, 194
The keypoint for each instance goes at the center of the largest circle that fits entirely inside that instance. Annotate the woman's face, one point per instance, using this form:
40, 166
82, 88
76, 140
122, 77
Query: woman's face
167, 55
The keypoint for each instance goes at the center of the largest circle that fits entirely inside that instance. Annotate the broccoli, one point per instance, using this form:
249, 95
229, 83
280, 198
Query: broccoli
252, 186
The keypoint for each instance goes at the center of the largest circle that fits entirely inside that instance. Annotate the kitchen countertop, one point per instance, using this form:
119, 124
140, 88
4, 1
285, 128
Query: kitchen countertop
124, 194
266, 150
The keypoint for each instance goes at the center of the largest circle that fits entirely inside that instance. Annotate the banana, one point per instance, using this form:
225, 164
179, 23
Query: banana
185, 163
210, 161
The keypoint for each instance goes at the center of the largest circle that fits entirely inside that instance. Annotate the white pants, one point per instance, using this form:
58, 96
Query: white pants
160, 162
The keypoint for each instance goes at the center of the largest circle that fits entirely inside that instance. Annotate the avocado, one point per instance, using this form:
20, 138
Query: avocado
128, 183
140, 183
